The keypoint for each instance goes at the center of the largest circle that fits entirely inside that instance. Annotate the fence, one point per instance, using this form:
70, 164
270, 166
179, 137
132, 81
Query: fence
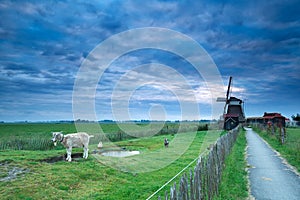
204, 181
275, 130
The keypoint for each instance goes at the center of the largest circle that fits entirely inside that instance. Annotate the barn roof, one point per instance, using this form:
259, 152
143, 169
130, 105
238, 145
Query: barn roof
272, 115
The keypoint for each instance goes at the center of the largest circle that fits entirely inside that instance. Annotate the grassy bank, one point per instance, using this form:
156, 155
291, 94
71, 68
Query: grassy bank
234, 177
290, 150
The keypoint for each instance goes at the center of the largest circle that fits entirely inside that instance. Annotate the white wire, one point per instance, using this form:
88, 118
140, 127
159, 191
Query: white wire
173, 178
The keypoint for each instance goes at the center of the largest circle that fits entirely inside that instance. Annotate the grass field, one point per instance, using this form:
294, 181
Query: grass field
290, 150
36, 136
84, 179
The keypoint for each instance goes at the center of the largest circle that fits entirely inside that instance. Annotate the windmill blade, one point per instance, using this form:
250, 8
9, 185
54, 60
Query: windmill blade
221, 99
228, 89
227, 94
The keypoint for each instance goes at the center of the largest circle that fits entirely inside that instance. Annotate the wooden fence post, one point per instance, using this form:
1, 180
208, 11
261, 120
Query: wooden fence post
192, 196
203, 182
173, 194
197, 180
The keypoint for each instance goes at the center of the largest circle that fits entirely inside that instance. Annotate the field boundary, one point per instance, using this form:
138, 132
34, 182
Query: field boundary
152, 195
203, 182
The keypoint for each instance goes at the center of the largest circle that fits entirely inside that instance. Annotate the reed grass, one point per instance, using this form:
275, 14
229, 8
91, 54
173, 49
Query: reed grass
38, 136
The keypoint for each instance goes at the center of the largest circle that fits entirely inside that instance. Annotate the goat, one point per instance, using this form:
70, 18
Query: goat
72, 140
100, 145
166, 142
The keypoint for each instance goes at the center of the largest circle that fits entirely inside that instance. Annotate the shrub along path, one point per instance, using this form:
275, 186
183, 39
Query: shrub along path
270, 177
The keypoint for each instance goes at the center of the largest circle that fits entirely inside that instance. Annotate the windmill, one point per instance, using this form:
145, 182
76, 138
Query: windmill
233, 110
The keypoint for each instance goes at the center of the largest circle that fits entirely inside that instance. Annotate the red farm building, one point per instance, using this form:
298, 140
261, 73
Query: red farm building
274, 118
268, 118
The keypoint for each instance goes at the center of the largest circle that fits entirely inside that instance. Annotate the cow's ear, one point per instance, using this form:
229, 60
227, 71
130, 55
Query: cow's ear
53, 134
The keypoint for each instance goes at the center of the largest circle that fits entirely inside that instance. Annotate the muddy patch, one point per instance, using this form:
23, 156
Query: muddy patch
9, 172
75, 157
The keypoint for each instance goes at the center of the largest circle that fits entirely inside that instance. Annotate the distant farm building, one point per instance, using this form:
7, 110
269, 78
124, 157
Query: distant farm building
268, 118
290, 123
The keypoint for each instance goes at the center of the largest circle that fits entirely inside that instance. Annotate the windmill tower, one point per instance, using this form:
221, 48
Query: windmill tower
233, 110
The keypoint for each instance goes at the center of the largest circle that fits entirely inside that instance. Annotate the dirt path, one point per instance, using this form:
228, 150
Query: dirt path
269, 177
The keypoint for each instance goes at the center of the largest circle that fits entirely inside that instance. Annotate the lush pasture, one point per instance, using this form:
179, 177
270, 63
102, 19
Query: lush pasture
290, 150
86, 179
37, 136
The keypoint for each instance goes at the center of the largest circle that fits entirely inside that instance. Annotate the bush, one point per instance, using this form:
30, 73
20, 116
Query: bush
202, 127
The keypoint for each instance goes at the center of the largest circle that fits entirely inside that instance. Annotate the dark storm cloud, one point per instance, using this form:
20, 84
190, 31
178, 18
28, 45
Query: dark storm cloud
43, 43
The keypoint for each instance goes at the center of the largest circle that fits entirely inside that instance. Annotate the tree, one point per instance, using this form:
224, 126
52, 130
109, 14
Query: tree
296, 118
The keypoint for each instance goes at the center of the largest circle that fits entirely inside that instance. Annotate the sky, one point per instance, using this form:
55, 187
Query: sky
44, 44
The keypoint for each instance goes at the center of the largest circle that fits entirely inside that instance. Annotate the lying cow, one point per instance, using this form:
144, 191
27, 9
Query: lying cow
73, 140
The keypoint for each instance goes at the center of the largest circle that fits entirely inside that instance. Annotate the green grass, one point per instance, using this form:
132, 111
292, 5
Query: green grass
36, 136
234, 178
290, 150
85, 179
